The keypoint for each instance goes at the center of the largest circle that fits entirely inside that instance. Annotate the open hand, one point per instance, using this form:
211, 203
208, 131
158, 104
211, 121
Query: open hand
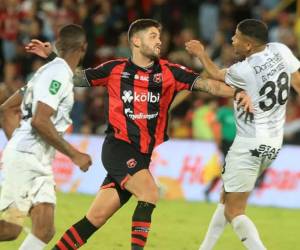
39, 48
244, 101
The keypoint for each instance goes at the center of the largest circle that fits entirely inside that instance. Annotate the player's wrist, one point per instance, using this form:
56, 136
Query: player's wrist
51, 56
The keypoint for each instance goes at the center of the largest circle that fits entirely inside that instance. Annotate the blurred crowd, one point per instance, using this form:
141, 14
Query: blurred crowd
106, 23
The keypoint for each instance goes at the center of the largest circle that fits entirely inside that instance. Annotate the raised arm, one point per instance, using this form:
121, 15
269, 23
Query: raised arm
196, 48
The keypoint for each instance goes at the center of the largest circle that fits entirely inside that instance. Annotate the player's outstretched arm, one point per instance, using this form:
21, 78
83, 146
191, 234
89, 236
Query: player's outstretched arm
213, 87
221, 89
10, 113
41, 122
196, 48
296, 81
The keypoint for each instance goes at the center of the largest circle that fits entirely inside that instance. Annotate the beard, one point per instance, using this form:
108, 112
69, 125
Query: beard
149, 53
239, 56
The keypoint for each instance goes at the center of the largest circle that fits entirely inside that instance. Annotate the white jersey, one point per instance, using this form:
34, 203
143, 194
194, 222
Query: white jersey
266, 77
52, 84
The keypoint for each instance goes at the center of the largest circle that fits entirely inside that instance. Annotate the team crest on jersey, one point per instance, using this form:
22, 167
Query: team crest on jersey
157, 77
54, 87
131, 163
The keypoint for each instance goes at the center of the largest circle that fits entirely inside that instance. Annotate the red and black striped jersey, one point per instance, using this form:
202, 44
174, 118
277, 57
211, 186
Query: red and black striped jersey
139, 98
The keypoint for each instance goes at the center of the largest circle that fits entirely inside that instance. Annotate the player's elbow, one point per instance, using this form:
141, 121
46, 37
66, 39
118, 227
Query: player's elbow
4, 112
3, 109
36, 122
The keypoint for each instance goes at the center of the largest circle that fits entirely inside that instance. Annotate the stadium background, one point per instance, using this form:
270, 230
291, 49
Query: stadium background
106, 23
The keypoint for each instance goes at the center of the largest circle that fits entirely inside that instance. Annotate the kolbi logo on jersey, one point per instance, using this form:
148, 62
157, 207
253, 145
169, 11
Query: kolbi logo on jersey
129, 96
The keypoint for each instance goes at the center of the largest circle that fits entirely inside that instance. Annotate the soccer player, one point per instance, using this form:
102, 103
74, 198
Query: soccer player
265, 72
140, 92
28, 183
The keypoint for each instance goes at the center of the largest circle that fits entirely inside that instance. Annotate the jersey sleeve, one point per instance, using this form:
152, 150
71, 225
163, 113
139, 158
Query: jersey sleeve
293, 64
184, 77
99, 75
233, 77
50, 88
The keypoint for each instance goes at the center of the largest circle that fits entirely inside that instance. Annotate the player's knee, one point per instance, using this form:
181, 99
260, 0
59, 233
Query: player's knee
45, 233
232, 212
150, 194
9, 231
13, 234
98, 219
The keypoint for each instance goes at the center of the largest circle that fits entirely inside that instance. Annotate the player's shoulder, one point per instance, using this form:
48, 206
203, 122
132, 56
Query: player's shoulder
174, 66
277, 45
164, 62
58, 68
112, 63
55, 72
239, 67
281, 48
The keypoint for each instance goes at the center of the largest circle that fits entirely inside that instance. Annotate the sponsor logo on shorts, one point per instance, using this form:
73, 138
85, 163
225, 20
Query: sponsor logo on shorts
131, 163
265, 151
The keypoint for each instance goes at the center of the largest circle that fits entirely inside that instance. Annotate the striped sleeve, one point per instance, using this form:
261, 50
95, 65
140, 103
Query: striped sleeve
184, 77
99, 75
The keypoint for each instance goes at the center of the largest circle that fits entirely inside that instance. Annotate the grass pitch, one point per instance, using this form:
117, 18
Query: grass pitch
176, 225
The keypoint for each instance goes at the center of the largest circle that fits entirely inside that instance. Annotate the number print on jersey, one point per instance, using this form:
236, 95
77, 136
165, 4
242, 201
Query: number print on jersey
27, 104
282, 84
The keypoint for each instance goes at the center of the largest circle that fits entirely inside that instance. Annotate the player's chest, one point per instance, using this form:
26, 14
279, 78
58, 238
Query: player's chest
141, 82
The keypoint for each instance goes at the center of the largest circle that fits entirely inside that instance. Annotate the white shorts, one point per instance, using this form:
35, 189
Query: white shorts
26, 181
245, 161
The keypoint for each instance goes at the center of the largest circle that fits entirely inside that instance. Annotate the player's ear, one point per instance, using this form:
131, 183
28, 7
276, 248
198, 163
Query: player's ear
136, 41
84, 47
249, 47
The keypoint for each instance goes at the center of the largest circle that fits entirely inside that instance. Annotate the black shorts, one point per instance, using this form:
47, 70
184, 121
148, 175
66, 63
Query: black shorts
121, 160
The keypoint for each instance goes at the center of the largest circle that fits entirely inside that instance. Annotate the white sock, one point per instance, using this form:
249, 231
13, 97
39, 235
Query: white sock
215, 229
31, 242
247, 233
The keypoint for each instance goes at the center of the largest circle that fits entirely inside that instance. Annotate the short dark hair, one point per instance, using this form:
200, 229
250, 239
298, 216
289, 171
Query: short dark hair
254, 29
70, 38
142, 24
